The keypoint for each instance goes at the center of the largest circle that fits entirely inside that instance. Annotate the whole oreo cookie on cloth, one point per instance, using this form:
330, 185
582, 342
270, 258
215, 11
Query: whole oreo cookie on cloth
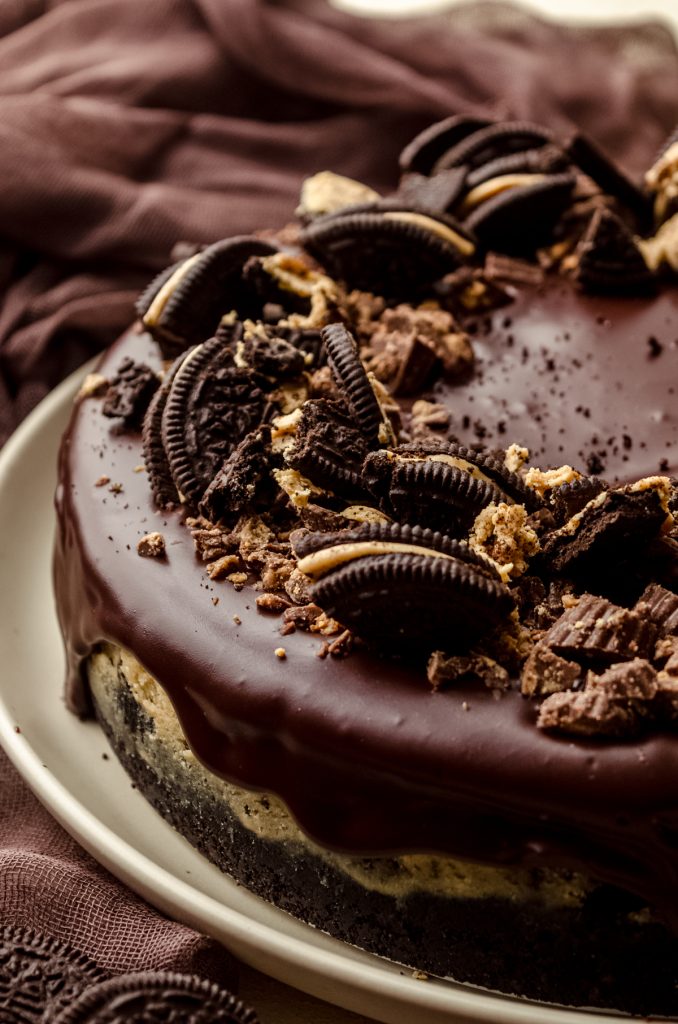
184, 304
39, 976
404, 588
388, 248
441, 484
211, 406
157, 997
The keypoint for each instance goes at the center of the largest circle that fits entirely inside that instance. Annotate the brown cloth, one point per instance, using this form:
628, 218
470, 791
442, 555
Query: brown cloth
127, 125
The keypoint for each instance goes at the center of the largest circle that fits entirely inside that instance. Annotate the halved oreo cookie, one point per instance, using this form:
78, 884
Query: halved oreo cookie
157, 997
389, 251
422, 153
328, 448
164, 490
404, 589
547, 159
493, 141
347, 369
519, 219
185, 303
211, 406
608, 259
443, 485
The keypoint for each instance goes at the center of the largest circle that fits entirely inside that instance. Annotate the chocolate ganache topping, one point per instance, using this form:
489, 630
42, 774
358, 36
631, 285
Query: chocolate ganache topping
430, 440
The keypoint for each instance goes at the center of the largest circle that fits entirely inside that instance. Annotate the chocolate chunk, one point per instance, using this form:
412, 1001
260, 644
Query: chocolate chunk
422, 153
212, 405
568, 499
662, 607
545, 672
404, 602
156, 997
39, 977
388, 251
438, 194
129, 393
348, 371
244, 482
611, 531
590, 712
493, 141
417, 363
608, 260
519, 220
586, 155
328, 448
184, 304
443, 670
595, 630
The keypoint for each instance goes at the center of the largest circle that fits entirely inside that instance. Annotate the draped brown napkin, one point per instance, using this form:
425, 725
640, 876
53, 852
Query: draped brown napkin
129, 125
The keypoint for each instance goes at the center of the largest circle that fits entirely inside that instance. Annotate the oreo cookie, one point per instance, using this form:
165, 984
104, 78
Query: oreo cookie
244, 482
343, 358
591, 159
211, 406
493, 141
568, 499
423, 152
184, 304
608, 259
441, 485
405, 589
387, 250
548, 159
157, 997
164, 490
521, 218
39, 977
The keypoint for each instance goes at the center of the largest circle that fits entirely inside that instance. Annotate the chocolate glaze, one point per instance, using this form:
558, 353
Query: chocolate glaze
368, 758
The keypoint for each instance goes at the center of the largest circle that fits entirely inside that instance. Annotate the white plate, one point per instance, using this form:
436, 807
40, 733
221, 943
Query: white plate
60, 758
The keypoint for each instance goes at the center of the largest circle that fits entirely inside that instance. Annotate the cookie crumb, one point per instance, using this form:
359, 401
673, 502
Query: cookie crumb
152, 545
281, 653
102, 481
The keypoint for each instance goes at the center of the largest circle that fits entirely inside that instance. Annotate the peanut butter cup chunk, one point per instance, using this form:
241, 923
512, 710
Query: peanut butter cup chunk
184, 305
662, 607
393, 252
595, 630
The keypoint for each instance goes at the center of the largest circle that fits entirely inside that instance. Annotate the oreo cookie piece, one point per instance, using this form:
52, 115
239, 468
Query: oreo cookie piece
389, 251
129, 393
423, 152
591, 159
157, 997
608, 259
348, 371
272, 355
328, 448
493, 141
244, 482
438, 194
39, 977
547, 159
185, 303
568, 499
405, 589
520, 219
211, 406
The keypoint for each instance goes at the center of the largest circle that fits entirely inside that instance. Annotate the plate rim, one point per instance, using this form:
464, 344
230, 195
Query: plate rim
179, 898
